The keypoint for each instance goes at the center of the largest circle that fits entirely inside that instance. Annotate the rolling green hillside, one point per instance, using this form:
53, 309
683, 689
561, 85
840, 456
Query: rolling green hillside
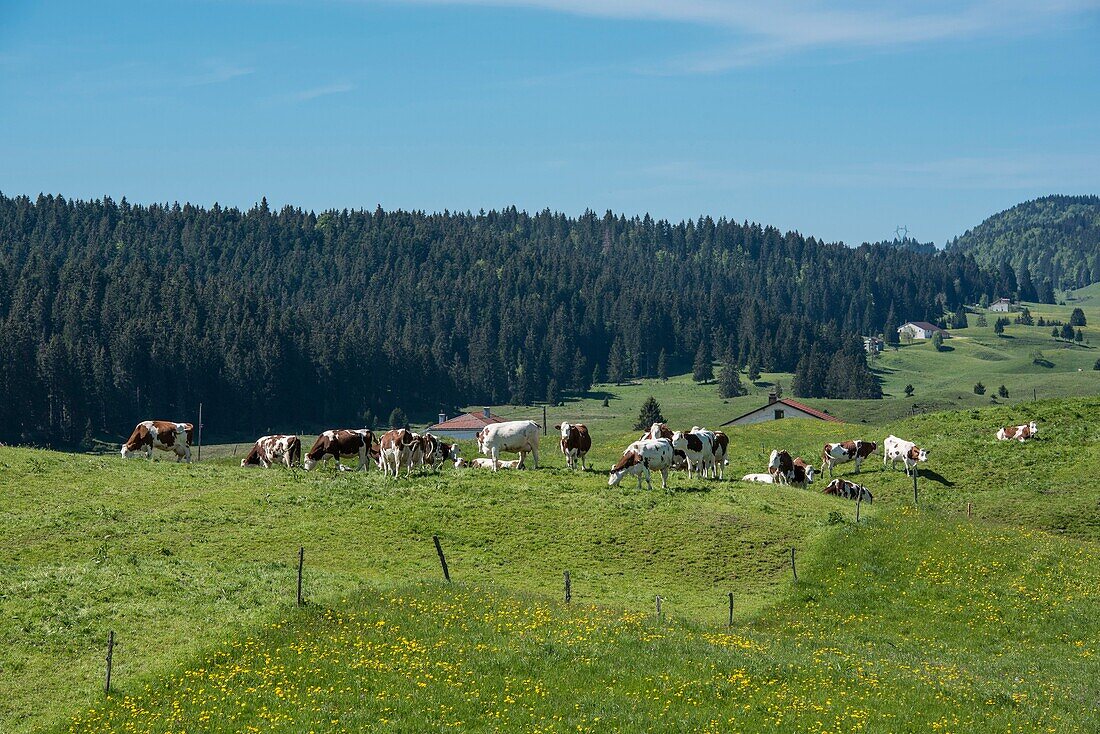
918, 616
1055, 237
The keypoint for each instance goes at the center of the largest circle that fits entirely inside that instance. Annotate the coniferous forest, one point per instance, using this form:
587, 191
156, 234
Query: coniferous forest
112, 313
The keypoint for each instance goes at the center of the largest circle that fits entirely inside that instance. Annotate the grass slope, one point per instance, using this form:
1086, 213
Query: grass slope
175, 558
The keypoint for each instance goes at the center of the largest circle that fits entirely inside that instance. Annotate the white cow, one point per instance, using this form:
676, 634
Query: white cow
895, 449
759, 478
483, 463
640, 458
520, 437
698, 447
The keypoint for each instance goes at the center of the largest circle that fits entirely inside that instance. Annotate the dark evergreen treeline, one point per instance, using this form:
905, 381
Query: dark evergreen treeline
1050, 242
111, 312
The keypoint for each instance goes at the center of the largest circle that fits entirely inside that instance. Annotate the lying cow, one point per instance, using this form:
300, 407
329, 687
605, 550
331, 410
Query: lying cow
895, 449
520, 437
640, 458
482, 463
845, 451
575, 443
1018, 433
759, 478
337, 443
163, 435
698, 447
284, 449
802, 473
848, 490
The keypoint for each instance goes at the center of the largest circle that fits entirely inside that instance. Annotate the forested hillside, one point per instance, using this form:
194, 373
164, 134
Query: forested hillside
1055, 239
112, 312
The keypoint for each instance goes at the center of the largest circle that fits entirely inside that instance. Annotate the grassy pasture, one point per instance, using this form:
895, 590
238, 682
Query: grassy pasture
180, 560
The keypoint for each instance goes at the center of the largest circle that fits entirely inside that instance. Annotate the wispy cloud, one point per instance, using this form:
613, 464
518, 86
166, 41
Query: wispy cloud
761, 30
215, 73
322, 91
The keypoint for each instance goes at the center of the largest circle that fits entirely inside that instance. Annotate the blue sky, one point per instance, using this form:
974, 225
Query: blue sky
840, 120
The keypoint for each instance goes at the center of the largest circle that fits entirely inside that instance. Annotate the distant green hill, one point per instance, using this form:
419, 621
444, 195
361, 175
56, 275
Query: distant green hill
1055, 237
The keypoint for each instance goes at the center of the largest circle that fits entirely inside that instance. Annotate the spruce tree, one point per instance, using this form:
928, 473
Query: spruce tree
552, 395
398, 419
979, 389
702, 371
754, 369
662, 366
908, 391
597, 375
729, 382
649, 414
1002, 391
1077, 318
615, 362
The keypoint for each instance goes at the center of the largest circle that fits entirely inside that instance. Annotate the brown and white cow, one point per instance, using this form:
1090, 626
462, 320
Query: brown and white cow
397, 447
896, 449
781, 466
1018, 433
845, 451
433, 452
640, 458
720, 444
658, 430
337, 443
848, 490
802, 473
163, 435
698, 448
575, 443
285, 449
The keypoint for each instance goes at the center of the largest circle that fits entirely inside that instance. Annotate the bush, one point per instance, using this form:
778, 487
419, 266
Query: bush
909, 389
1097, 365
979, 389
937, 341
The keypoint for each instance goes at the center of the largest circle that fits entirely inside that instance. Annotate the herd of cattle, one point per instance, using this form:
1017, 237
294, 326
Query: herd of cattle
700, 452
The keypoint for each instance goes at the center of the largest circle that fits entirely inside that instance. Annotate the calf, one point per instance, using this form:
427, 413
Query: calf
698, 448
162, 435
1018, 433
483, 463
575, 443
895, 449
848, 490
285, 449
640, 458
337, 443
845, 451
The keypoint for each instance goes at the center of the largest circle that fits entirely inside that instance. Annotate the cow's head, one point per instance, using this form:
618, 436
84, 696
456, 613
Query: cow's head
1033, 428
565, 428
624, 466
810, 474
918, 454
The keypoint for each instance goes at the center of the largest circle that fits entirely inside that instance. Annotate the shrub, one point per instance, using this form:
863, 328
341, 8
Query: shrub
909, 389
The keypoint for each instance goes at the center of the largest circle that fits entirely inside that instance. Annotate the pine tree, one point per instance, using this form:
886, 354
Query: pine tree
958, 320
398, 419
597, 375
1067, 332
649, 414
1002, 391
702, 371
1046, 292
729, 382
979, 389
999, 326
754, 369
982, 320
662, 366
908, 391
1054, 332
1079, 336
1077, 318
615, 362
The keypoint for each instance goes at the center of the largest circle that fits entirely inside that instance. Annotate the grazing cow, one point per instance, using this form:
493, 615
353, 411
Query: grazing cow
759, 478
848, 490
698, 448
802, 472
640, 458
337, 443
1018, 433
397, 447
520, 437
780, 466
845, 451
575, 443
433, 452
163, 435
895, 449
267, 450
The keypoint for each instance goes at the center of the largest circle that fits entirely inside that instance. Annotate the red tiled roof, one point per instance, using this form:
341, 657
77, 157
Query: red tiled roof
466, 422
924, 325
790, 404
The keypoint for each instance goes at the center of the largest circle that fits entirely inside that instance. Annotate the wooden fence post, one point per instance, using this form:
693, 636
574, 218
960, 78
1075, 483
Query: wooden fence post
859, 501
967, 510
658, 599
568, 589
110, 661
794, 569
730, 623
301, 561
442, 558
915, 472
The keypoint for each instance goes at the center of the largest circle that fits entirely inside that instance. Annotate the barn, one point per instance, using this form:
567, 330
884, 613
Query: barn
465, 426
778, 409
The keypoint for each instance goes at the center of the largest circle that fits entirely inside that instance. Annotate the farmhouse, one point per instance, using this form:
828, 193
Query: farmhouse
463, 426
778, 409
1004, 305
920, 330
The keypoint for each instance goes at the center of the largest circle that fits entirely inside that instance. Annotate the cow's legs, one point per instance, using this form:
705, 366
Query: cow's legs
535, 456
584, 466
648, 479
664, 477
